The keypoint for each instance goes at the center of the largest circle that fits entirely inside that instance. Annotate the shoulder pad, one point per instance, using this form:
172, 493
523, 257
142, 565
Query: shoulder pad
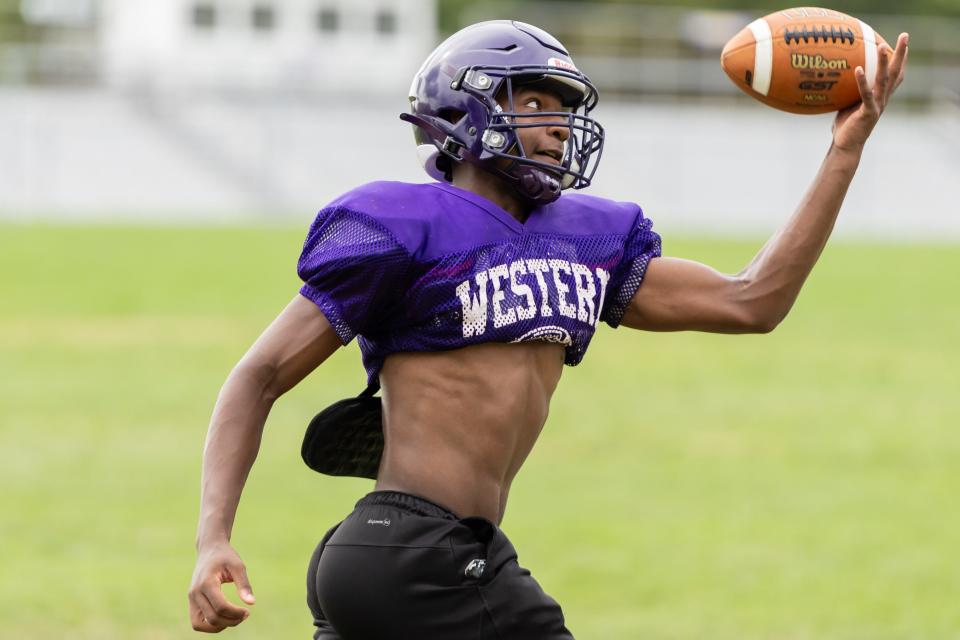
398, 206
592, 215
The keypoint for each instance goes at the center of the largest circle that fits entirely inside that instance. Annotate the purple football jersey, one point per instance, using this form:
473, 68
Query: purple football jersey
430, 267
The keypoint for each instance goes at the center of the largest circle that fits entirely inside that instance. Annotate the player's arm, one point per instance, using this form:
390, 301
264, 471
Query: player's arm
297, 341
680, 294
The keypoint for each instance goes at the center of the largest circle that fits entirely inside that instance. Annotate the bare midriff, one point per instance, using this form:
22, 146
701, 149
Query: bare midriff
459, 424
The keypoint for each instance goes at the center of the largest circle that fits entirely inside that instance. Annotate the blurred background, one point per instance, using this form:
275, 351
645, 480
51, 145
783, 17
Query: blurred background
160, 162
266, 109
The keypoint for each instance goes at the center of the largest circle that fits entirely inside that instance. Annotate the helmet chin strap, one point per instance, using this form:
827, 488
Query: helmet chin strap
534, 185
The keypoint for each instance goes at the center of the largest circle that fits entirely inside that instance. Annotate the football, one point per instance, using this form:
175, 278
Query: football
802, 60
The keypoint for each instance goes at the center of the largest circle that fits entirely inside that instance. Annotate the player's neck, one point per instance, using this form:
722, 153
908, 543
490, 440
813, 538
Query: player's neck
471, 178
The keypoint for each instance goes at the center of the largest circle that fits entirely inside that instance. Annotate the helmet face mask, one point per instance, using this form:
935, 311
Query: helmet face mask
584, 135
463, 108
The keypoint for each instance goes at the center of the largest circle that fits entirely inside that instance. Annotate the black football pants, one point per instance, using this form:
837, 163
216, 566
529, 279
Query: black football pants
403, 568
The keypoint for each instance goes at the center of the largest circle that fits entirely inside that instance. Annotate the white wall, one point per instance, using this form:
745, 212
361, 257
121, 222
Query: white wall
152, 44
693, 168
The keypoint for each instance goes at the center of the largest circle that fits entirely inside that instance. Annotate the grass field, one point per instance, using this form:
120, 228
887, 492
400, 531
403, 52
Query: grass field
800, 485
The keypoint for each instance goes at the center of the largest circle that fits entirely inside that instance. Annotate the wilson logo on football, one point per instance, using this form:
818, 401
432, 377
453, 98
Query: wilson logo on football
805, 61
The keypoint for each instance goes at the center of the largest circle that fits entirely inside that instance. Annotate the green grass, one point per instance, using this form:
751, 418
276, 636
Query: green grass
797, 485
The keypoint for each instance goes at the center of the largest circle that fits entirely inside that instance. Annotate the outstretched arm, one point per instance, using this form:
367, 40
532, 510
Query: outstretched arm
681, 294
297, 341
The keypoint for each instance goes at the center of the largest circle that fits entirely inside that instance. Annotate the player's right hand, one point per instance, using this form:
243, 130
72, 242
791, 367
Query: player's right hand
210, 611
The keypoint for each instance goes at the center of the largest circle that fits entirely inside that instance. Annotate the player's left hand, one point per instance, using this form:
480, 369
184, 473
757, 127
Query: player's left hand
853, 125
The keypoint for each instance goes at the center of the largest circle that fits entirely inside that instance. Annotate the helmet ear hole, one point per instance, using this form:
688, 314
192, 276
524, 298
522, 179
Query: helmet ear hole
451, 115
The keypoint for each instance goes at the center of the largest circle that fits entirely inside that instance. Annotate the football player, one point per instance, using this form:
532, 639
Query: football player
467, 296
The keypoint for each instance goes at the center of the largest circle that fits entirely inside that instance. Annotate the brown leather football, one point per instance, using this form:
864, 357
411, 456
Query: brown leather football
802, 60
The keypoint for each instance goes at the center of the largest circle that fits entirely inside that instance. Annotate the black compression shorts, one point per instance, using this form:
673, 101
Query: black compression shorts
403, 568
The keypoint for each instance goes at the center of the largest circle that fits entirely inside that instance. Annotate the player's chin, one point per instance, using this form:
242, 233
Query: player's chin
555, 168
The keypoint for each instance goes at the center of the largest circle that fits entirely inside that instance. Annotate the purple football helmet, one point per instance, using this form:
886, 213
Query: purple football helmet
456, 110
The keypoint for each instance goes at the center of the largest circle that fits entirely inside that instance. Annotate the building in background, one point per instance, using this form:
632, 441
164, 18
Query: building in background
299, 46
306, 47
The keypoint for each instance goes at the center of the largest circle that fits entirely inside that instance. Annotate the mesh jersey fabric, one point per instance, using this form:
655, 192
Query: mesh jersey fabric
431, 267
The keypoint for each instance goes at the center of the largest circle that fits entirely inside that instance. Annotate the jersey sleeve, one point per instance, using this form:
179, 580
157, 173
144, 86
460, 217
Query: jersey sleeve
354, 269
642, 244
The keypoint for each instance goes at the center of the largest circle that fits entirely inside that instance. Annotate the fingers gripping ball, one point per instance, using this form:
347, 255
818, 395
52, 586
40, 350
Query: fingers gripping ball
802, 60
